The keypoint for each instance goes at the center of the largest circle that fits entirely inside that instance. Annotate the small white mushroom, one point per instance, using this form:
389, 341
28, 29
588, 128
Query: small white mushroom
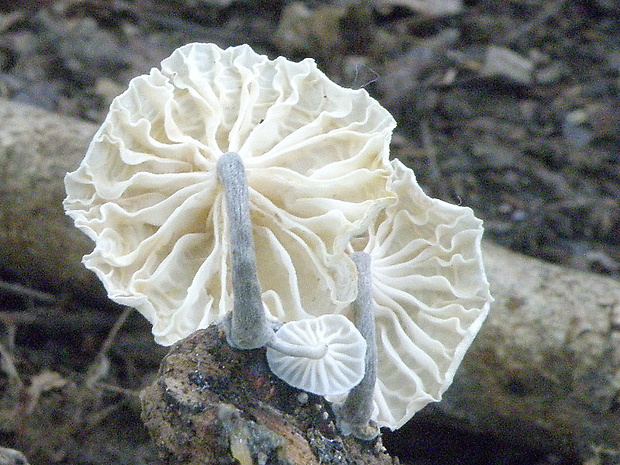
430, 296
323, 355
316, 160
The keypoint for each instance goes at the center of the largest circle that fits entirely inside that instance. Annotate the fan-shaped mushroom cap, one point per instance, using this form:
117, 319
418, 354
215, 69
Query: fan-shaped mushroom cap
316, 160
430, 293
340, 369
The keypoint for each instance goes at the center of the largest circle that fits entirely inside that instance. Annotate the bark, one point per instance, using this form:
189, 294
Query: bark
545, 367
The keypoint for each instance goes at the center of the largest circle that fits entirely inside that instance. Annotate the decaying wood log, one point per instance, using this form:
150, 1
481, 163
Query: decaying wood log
37, 241
212, 404
545, 367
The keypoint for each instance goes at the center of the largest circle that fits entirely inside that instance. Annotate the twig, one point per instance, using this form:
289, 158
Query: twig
97, 417
430, 151
99, 366
20, 290
51, 317
129, 393
9, 367
105, 347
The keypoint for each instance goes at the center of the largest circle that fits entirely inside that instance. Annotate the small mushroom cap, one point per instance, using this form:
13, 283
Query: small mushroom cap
430, 293
316, 161
337, 372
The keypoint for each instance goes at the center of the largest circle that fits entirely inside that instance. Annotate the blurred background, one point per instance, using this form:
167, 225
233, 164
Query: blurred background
509, 107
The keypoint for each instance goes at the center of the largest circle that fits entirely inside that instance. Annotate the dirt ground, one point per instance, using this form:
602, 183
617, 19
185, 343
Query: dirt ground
509, 107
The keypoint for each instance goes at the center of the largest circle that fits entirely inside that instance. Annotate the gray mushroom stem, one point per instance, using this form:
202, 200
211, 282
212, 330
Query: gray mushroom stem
355, 413
247, 327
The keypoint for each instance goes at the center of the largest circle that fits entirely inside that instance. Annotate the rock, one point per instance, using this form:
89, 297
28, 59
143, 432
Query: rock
504, 63
212, 404
12, 457
431, 8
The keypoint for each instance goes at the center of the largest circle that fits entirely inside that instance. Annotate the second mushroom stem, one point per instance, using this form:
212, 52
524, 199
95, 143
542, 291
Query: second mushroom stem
355, 413
248, 327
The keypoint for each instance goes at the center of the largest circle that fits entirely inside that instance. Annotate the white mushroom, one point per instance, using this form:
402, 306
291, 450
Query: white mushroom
303, 164
323, 355
315, 156
430, 297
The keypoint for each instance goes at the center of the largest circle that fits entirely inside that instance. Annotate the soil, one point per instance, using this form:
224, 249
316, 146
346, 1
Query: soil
509, 107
